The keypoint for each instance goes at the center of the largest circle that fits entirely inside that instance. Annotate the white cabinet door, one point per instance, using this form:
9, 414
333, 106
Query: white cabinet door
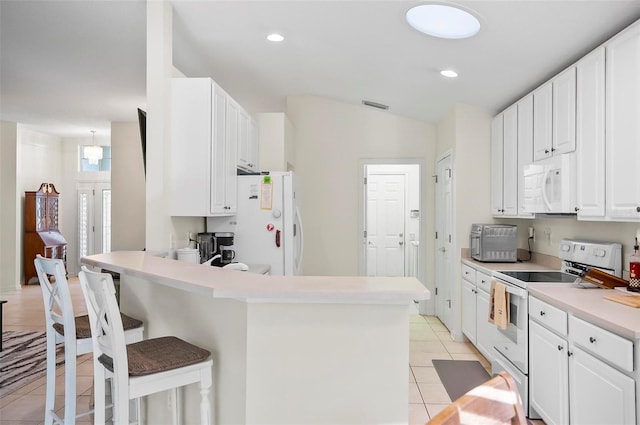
218, 159
525, 148
599, 394
542, 121
548, 375
510, 162
485, 331
254, 146
590, 135
231, 156
469, 310
623, 124
191, 146
564, 112
497, 147
244, 142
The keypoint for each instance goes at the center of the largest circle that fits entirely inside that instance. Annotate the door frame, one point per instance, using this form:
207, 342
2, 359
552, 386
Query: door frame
362, 255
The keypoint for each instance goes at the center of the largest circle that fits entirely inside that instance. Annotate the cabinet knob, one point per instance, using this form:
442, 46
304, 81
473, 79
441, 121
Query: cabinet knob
542, 313
546, 151
553, 149
569, 353
560, 347
637, 209
577, 209
592, 339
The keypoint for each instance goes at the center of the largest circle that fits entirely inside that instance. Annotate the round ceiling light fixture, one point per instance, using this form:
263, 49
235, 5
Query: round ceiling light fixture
439, 20
275, 37
449, 73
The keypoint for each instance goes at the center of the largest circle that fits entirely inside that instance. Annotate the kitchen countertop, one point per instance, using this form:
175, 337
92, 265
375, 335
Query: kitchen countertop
589, 304
217, 282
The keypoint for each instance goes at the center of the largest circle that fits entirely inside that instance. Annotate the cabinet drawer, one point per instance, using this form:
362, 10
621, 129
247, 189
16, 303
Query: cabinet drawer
548, 315
483, 281
468, 273
604, 344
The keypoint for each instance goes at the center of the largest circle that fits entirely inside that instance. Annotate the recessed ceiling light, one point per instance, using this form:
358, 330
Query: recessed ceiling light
275, 37
449, 73
443, 21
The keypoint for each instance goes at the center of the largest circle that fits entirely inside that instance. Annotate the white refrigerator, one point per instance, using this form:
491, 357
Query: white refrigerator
268, 226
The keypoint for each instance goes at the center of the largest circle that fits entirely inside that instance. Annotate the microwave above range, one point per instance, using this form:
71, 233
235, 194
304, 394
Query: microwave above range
550, 185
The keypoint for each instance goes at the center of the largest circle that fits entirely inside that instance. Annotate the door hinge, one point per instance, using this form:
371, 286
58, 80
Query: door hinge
436, 291
436, 176
436, 235
449, 172
365, 180
365, 233
449, 238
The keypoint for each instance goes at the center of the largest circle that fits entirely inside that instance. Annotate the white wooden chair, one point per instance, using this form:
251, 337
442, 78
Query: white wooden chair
142, 368
74, 332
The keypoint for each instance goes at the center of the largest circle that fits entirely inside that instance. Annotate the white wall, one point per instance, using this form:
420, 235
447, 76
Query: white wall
466, 130
331, 139
128, 203
10, 209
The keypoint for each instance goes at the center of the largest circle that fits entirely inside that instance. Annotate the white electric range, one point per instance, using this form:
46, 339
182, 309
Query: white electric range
512, 344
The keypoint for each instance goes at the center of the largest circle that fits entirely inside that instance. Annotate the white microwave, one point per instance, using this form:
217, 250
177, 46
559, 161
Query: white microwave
550, 185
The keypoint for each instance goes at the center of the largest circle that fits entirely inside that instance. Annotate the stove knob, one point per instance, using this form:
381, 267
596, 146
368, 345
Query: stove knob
565, 248
599, 253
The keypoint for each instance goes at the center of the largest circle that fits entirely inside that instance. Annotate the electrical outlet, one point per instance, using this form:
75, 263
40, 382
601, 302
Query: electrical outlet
547, 234
532, 233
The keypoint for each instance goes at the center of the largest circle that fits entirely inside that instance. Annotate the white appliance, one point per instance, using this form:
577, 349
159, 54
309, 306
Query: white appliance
511, 345
550, 185
267, 227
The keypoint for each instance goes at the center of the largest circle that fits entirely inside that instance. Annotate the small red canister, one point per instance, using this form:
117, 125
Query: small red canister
634, 270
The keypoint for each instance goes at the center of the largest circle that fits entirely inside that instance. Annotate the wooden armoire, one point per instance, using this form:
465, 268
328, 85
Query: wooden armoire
41, 234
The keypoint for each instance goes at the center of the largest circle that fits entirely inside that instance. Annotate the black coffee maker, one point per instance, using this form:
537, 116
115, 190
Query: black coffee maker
206, 245
223, 249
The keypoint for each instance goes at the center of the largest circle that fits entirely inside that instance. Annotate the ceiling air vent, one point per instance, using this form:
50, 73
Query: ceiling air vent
375, 105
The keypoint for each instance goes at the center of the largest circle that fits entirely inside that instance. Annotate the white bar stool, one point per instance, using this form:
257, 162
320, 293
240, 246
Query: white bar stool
144, 367
74, 332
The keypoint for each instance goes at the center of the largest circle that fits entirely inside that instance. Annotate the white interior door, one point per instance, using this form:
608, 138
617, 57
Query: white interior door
443, 243
94, 218
385, 226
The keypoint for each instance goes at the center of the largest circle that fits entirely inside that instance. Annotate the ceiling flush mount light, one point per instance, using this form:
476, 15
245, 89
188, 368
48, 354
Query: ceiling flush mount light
443, 21
275, 38
449, 73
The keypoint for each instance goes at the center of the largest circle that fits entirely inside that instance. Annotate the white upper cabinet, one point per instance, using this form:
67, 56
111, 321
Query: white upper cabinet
564, 112
542, 121
554, 116
497, 138
510, 163
248, 137
202, 164
525, 147
590, 135
623, 124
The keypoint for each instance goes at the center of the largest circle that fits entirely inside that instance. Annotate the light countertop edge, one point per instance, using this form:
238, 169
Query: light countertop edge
590, 305
216, 282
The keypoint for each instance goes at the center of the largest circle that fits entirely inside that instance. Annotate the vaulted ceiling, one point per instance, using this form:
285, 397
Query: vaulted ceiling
67, 67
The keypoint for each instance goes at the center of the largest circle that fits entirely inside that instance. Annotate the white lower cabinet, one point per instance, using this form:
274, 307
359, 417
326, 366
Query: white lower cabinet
469, 310
475, 310
569, 385
548, 375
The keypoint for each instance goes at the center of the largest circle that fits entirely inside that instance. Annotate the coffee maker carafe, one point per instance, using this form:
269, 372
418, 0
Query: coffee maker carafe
206, 246
224, 248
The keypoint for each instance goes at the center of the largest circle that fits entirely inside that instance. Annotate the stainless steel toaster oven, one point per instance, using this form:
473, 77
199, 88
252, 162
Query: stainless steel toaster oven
494, 242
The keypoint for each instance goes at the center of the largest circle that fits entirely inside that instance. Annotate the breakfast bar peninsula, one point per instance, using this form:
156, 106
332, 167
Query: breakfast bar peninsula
286, 349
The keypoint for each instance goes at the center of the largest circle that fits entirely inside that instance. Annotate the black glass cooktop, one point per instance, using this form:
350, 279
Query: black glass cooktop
542, 276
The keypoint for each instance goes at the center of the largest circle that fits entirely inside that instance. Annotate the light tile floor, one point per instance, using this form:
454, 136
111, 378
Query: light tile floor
427, 396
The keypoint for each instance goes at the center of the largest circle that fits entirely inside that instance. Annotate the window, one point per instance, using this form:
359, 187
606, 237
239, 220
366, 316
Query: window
95, 158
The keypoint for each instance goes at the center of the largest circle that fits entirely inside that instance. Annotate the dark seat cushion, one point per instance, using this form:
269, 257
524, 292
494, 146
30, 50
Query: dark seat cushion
158, 355
83, 327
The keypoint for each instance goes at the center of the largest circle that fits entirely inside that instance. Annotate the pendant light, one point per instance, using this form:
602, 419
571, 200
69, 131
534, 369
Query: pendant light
93, 153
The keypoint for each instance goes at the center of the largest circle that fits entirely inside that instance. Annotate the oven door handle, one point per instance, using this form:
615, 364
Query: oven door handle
518, 292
